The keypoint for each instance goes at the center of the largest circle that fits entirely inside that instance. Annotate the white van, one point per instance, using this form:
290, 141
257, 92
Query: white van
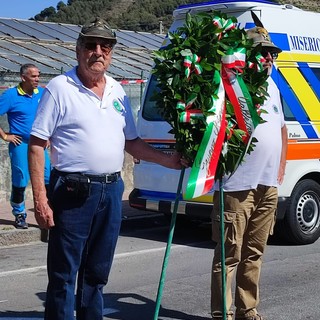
297, 75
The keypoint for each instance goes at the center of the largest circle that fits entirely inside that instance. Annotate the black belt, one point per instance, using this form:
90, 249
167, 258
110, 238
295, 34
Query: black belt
106, 177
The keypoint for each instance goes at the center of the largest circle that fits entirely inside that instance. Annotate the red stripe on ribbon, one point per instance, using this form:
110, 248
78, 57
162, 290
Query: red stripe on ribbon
215, 154
236, 105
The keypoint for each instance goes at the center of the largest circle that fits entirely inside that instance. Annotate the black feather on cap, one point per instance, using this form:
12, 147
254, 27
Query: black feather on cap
260, 35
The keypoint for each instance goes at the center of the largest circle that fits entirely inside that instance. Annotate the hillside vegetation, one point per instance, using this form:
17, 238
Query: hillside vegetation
137, 15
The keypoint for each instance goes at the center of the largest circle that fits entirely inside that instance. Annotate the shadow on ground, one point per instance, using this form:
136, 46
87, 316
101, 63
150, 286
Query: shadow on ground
120, 306
130, 306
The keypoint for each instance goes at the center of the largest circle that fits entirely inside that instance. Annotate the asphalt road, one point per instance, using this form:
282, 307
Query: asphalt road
290, 282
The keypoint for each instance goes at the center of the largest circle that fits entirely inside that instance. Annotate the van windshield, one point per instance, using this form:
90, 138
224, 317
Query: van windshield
150, 111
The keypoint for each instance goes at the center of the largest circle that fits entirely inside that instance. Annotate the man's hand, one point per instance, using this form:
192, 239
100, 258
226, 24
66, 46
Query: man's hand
281, 173
177, 161
43, 214
42, 211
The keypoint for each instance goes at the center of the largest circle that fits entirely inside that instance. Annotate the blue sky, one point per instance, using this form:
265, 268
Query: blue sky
25, 9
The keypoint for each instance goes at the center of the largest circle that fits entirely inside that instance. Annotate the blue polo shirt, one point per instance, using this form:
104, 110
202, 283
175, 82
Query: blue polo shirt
21, 109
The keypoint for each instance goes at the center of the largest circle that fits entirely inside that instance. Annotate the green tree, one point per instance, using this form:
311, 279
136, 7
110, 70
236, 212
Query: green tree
136, 15
60, 5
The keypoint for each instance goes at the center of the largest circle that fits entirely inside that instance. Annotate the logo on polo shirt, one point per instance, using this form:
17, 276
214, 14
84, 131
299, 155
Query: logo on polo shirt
275, 109
118, 106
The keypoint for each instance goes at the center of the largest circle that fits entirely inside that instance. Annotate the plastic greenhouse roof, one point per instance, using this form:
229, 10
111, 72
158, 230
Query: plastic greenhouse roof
51, 46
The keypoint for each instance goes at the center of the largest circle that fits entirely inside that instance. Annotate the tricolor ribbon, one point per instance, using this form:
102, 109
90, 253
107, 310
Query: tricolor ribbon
182, 106
235, 59
238, 93
224, 24
189, 115
230, 83
258, 65
202, 173
191, 63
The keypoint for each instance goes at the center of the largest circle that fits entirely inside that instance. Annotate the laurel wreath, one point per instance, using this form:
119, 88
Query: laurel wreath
206, 43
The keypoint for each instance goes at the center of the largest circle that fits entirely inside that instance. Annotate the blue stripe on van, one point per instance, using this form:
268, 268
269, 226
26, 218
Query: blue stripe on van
158, 195
280, 40
249, 25
311, 77
295, 106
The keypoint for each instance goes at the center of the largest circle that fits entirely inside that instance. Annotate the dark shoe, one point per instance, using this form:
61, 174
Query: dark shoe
256, 317
20, 222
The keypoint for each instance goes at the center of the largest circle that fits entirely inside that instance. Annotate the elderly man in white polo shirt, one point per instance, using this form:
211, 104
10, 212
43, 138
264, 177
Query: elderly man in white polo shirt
87, 117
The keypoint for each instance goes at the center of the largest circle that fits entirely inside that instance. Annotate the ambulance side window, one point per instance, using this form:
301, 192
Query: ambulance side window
316, 86
150, 111
316, 72
288, 115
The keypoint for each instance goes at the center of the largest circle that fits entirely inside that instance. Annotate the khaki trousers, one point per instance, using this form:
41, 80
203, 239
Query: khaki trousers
249, 218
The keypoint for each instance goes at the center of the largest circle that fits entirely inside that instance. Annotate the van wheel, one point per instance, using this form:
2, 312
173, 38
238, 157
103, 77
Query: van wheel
301, 224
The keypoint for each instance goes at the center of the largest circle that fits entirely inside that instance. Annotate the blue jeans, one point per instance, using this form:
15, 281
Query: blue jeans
81, 243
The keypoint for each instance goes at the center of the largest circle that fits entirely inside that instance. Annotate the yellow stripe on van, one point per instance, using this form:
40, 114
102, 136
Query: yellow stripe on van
286, 64
298, 57
304, 93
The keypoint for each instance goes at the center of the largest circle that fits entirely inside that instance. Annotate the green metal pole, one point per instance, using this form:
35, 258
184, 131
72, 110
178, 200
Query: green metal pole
169, 242
223, 260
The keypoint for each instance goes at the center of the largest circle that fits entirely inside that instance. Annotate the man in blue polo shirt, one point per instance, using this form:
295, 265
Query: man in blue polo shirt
20, 104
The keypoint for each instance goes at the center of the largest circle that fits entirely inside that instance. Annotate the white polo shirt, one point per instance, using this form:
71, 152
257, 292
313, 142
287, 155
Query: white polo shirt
87, 134
261, 166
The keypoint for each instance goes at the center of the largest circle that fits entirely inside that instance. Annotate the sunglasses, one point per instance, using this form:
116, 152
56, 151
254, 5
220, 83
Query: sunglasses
106, 47
274, 55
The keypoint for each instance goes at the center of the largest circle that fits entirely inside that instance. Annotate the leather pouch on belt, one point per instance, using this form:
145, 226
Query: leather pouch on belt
77, 186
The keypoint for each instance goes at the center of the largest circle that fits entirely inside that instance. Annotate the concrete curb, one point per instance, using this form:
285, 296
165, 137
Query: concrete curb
12, 236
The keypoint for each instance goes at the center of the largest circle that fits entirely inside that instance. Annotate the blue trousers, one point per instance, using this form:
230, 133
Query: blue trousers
81, 246
20, 175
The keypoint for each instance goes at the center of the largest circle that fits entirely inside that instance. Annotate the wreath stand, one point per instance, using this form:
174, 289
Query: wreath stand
223, 258
168, 248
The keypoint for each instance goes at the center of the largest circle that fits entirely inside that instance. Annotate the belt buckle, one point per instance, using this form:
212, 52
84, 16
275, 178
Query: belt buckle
107, 178
113, 177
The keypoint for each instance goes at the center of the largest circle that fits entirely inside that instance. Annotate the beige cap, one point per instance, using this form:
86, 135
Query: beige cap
260, 36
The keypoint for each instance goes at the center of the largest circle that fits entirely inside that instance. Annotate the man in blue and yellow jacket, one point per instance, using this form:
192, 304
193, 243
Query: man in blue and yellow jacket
20, 105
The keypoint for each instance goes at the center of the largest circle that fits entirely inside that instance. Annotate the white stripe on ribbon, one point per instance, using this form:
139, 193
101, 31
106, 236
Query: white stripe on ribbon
215, 121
